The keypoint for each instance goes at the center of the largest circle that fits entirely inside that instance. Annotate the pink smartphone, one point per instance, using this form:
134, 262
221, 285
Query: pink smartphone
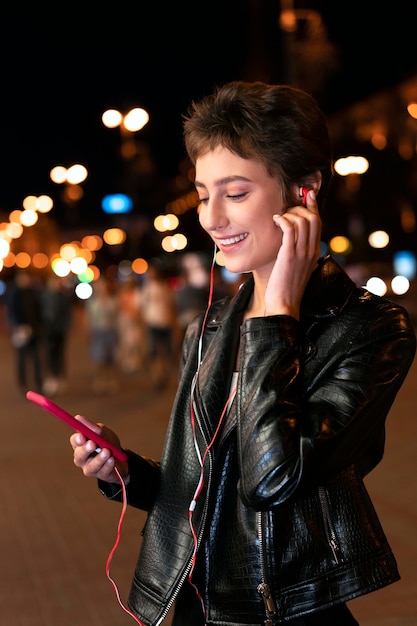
66, 417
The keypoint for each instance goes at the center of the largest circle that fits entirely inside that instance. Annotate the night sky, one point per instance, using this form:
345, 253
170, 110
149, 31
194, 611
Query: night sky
59, 72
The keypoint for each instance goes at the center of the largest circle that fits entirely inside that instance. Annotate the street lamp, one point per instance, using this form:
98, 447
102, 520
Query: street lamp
129, 123
71, 177
133, 121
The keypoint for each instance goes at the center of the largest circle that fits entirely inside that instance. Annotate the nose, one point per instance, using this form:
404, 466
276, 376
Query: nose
212, 215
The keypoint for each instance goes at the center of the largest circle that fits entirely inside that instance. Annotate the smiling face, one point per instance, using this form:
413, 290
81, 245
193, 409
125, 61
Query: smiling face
238, 199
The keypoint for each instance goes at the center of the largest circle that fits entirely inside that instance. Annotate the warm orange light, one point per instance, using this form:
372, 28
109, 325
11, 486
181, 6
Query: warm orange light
22, 259
140, 266
40, 260
114, 236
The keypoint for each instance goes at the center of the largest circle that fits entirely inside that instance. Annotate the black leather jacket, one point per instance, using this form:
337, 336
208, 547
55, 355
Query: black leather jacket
281, 501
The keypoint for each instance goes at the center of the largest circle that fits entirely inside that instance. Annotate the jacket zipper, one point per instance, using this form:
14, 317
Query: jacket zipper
174, 595
263, 587
329, 526
200, 535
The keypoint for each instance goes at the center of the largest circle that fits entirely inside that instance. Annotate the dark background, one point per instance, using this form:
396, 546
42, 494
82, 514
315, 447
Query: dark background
61, 68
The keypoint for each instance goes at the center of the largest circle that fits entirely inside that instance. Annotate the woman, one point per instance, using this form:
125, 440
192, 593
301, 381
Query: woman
257, 511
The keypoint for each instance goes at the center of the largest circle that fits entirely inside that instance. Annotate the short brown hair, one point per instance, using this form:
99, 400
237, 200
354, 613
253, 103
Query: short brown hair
279, 125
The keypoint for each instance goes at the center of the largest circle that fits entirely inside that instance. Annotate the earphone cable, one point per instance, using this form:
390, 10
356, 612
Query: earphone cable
114, 548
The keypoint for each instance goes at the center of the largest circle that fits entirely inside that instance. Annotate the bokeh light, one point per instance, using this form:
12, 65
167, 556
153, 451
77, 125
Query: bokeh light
377, 286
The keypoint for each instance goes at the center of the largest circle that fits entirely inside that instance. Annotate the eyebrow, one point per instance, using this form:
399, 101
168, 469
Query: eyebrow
224, 181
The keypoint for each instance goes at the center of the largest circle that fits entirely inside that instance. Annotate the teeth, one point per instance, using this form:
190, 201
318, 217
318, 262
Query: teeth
231, 240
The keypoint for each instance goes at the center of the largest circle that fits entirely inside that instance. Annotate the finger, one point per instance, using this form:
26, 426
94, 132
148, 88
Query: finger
301, 230
77, 439
311, 201
92, 462
100, 466
308, 233
97, 428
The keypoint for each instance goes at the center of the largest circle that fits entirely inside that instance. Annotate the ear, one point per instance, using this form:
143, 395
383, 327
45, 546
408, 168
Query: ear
312, 182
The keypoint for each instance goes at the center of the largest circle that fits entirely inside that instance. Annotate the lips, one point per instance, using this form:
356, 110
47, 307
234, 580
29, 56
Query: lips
230, 241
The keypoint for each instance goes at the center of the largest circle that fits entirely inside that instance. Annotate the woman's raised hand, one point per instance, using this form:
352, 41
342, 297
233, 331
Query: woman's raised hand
296, 259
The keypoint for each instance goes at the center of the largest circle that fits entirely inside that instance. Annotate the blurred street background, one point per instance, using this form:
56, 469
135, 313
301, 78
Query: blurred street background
97, 203
93, 174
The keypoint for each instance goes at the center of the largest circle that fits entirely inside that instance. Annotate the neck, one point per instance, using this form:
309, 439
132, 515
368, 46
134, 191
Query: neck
256, 305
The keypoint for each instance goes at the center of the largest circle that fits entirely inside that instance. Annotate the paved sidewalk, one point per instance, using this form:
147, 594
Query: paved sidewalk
57, 531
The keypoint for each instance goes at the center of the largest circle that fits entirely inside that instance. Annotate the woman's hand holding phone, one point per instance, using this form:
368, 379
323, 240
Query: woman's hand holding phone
96, 448
98, 464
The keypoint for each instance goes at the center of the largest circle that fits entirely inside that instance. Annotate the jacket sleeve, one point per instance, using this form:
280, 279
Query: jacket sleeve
295, 429
142, 485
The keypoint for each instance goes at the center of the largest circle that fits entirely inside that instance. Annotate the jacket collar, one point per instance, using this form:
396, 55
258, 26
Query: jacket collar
328, 290
326, 294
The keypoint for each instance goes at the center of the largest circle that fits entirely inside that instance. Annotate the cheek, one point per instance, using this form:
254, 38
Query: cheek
272, 240
201, 217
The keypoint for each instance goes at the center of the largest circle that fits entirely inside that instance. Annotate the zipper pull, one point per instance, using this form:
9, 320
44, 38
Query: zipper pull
336, 551
270, 609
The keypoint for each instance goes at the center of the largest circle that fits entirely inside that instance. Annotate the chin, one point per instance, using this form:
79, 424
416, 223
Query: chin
237, 268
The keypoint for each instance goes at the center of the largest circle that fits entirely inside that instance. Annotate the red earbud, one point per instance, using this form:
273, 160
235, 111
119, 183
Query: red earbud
303, 193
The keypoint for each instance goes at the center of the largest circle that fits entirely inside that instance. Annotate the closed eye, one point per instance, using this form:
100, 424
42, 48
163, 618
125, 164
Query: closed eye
238, 196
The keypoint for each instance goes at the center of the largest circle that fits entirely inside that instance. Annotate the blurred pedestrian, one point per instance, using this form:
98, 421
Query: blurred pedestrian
159, 310
102, 312
132, 333
192, 296
24, 318
56, 309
